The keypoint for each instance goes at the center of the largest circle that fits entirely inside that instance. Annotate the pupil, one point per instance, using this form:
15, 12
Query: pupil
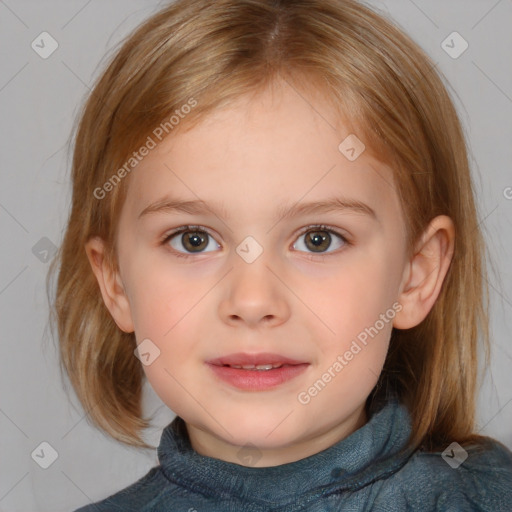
193, 240
317, 239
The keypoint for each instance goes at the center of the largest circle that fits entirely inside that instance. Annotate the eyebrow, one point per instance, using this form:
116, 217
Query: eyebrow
197, 207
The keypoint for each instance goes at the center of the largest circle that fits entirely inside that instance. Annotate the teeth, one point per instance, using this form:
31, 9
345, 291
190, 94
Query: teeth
268, 366
265, 367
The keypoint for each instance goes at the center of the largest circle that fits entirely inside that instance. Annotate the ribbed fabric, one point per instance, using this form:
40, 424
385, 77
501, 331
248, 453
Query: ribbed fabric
368, 470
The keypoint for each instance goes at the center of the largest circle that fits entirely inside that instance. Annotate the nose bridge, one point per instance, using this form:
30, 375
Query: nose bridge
254, 293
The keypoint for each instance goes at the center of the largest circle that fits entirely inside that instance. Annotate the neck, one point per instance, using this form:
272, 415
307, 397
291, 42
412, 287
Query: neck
208, 444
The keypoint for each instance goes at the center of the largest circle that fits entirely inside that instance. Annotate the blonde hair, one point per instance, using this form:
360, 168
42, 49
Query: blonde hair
381, 82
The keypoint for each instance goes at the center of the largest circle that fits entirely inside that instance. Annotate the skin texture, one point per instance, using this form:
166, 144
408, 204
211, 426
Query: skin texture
262, 153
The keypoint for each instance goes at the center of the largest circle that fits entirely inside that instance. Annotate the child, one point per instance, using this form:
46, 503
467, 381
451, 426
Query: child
273, 222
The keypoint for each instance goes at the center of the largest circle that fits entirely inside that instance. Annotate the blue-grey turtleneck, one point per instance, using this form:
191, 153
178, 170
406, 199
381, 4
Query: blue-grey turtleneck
370, 470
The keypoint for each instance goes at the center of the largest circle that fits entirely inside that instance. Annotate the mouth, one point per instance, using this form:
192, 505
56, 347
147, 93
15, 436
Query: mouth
259, 362
260, 367
256, 372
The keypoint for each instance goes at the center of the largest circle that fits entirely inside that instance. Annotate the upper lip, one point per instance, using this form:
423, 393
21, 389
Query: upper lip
241, 359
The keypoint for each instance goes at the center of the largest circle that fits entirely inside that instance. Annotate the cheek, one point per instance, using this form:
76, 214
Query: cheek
165, 309
163, 312
159, 299
152, 312
352, 297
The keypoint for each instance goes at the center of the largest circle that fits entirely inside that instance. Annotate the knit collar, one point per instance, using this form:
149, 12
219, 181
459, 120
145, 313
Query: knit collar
374, 451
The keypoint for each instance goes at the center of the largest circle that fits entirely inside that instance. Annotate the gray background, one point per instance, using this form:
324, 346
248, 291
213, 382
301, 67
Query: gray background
39, 101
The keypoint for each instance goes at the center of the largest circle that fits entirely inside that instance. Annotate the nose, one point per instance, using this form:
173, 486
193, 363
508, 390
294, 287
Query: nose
254, 295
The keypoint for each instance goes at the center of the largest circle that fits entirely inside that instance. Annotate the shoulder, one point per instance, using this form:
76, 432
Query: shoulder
476, 478
134, 497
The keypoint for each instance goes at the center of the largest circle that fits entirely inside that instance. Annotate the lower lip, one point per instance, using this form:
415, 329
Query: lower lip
257, 380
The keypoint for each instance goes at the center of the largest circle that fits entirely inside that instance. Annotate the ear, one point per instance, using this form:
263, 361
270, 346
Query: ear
425, 273
111, 286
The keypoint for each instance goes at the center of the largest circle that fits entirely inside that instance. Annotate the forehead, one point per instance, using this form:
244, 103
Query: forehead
279, 146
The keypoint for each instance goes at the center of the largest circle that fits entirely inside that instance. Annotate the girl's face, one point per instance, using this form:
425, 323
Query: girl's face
254, 281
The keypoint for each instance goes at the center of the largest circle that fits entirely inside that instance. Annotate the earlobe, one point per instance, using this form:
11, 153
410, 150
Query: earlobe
425, 273
110, 283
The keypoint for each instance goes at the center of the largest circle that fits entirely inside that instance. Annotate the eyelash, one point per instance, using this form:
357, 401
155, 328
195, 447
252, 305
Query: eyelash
312, 256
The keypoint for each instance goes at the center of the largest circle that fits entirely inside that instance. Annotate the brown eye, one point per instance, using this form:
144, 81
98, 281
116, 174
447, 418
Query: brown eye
193, 240
319, 240
189, 241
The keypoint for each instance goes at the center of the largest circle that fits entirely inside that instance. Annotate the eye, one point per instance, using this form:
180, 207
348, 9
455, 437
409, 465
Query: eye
196, 240
193, 238
319, 238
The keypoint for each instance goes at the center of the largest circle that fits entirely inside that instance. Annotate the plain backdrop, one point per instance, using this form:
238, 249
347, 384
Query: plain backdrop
39, 100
